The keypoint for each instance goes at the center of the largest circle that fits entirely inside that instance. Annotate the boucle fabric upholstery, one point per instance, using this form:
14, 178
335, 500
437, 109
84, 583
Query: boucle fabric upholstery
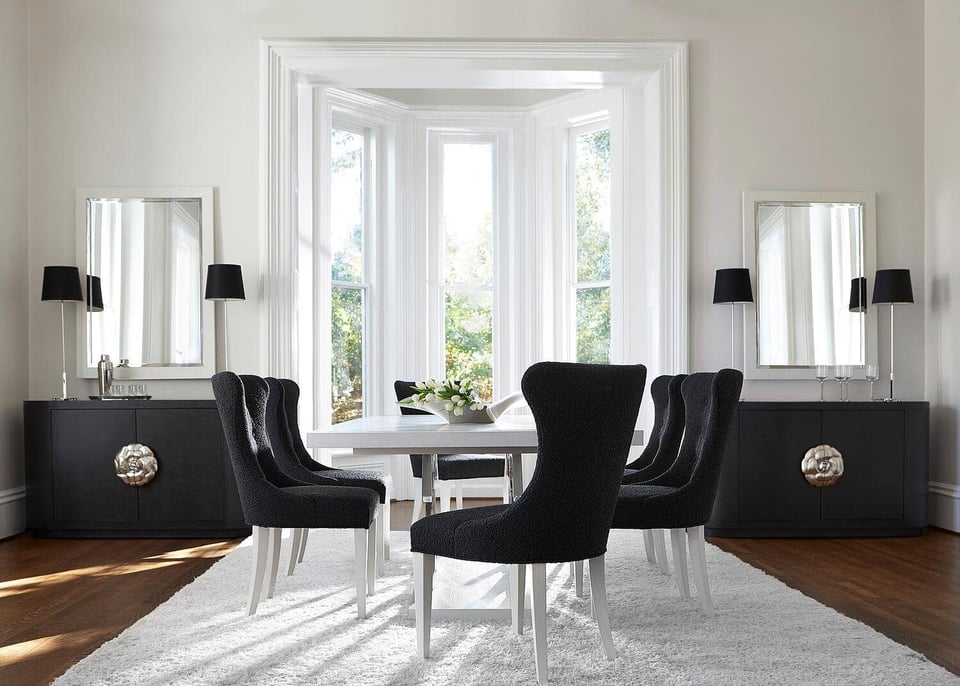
263, 503
450, 466
666, 433
585, 417
376, 481
711, 405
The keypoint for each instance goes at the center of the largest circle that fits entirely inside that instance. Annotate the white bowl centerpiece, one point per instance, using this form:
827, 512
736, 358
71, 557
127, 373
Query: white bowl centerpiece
457, 401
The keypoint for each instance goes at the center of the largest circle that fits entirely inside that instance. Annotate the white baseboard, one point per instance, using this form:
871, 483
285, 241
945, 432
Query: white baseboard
13, 511
944, 506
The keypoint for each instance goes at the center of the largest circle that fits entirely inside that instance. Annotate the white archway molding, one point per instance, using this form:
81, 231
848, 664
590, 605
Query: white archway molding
657, 69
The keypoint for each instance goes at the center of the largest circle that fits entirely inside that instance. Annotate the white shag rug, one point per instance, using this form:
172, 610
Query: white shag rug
763, 632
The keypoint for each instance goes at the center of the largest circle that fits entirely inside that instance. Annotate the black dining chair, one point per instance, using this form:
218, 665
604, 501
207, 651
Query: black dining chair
364, 478
284, 452
585, 416
269, 508
685, 507
660, 451
451, 468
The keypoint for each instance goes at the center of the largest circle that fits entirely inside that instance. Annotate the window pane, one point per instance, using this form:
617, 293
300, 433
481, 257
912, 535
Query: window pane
593, 325
346, 373
468, 213
592, 190
469, 338
346, 205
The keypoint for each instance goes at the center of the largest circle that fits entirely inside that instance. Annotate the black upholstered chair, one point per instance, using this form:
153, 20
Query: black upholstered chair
364, 478
585, 417
284, 453
684, 507
269, 508
451, 468
665, 436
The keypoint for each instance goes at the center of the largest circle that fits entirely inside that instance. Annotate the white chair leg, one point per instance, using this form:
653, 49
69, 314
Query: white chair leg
444, 491
648, 546
538, 573
423, 600
578, 577
677, 537
303, 545
506, 490
459, 491
385, 521
276, 534
518, 583
660, 544
417, 506
294, 550
380, 534
698, 561
261, 548
360, 570
598, 594
372, 558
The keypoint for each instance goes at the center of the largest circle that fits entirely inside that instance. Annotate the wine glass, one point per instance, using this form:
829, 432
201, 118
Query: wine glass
842, 373
822, 374
871, 373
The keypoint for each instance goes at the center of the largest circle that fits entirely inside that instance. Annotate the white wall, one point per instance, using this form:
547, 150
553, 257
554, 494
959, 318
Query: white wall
942, 174
13, 259
785, 94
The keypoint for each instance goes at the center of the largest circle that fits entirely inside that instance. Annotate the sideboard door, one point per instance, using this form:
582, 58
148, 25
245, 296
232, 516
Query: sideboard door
872, 445
86, 488
771, 484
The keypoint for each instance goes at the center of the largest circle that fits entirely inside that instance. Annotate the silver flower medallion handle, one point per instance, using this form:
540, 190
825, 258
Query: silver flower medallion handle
135, 464
822, 466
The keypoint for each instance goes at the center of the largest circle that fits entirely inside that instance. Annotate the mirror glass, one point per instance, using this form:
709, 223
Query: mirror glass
149, 254
805, 251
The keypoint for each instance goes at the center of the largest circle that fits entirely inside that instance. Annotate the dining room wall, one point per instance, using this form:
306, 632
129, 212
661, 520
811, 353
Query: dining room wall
13, 259
942, 181
784, 94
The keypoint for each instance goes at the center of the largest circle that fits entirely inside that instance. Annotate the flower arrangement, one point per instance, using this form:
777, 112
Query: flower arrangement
454, 396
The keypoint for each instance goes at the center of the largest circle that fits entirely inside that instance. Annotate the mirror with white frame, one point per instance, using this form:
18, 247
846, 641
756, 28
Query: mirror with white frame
804, 250
149, 248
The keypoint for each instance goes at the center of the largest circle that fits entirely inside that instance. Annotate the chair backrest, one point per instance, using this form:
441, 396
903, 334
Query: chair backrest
711, 400
256, 395
245, 443
281, 438
291, 399
586, 415
405, 389
664, 439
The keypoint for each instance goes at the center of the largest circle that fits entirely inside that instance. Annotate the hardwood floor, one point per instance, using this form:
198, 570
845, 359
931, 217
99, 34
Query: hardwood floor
61, 599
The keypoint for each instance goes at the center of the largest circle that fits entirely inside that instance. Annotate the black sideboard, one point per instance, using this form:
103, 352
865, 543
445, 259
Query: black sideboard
882, 492
73, 489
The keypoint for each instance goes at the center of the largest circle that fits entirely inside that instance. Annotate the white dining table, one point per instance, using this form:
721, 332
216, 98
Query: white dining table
473, 589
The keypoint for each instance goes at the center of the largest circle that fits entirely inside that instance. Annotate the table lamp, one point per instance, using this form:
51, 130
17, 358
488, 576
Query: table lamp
224, 283
892, 287
732, 287
62, 284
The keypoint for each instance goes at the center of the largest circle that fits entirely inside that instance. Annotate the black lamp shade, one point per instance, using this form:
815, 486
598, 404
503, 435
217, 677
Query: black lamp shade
61, 284
858, 294
733, 286
94, 294
224, 282
892, 286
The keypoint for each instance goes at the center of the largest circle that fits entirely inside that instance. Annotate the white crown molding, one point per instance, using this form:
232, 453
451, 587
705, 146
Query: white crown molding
584, 64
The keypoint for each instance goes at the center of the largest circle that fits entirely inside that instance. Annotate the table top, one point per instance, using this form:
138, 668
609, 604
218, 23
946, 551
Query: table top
430, 434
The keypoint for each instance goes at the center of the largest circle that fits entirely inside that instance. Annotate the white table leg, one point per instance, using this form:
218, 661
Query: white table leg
428, 470
515, 474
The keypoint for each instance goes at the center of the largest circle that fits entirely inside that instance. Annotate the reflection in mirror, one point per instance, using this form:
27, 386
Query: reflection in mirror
807, 255
144, 251
147, 253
